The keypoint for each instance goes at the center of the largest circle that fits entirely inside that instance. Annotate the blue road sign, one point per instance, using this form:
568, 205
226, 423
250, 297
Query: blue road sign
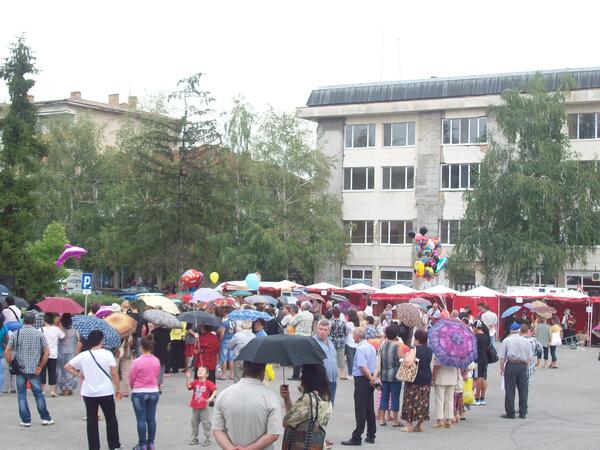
86, 281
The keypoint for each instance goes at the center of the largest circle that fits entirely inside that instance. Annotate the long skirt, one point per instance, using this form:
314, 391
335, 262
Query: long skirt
415, 403
65, 380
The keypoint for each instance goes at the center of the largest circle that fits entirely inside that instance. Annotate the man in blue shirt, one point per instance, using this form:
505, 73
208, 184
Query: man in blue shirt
330, 363
364, 381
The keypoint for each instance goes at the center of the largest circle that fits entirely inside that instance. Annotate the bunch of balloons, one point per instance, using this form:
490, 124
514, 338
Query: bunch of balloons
191, 278
429, 251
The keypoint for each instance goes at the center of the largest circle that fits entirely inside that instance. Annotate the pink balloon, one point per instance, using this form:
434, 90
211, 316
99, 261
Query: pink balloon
71, 251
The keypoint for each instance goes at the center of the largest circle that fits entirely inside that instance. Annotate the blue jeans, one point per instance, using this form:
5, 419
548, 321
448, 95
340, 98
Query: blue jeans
390, 389
332, 389
144, 405
36, 389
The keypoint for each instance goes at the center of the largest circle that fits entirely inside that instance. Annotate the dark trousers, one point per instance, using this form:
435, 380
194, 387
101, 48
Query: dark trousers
515, 377
107, 404
48, 373
176, 359
364, 408
553, 353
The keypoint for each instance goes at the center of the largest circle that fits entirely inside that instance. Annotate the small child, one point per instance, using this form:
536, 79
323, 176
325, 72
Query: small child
205, 392
459, 405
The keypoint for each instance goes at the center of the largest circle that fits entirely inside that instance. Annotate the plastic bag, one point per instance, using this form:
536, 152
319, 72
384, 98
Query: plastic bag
468, 394
269, 373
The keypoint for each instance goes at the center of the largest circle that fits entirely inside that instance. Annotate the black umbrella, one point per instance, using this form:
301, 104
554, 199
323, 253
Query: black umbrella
200, 318
19, 302
284, 349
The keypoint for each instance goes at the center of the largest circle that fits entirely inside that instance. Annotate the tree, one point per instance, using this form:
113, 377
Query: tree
536, 204
20, 154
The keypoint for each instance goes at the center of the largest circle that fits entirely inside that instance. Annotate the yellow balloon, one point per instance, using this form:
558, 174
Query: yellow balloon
214, 277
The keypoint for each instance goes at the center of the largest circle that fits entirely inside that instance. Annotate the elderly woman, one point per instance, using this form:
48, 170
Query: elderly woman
390, 353
415, 404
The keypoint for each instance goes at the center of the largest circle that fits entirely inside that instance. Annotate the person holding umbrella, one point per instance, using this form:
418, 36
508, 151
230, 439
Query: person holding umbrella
237, 343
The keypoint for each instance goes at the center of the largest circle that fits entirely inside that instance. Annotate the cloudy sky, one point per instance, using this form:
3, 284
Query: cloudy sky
275, 52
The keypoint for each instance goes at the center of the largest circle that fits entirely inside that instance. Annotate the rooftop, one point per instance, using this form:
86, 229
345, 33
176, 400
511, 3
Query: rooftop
468, 86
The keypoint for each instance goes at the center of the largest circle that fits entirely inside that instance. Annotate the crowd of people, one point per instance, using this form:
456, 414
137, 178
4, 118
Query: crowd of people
358, 346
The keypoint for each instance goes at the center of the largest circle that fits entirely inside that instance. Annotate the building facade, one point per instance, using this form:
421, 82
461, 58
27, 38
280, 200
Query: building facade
406, 152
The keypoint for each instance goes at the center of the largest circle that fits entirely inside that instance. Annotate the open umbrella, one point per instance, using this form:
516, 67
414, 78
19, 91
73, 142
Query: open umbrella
205, 295
408, 314
124, 324
510, 311
453, 343
227, 301
543, 309
158, 301
85, 324
419, 301
60, 305
254, 299
200, 318
241, 294
161, 318
248, 314
284, 349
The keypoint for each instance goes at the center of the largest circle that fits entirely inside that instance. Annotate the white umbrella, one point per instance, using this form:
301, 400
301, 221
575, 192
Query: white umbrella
158, 301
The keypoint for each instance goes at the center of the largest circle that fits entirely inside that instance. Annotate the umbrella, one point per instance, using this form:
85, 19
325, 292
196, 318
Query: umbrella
161, 318
248, 314
420, 301
200, 318
241, 294
85, 324
60, 305
316, 297
158, 301
123, 323
543, 309
19, 302
409, 314
453, 343
205, 295
254, 299
510, 311
227, 301
284, 349
337, 298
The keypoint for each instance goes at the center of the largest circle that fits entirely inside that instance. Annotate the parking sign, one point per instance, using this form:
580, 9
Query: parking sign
86, 283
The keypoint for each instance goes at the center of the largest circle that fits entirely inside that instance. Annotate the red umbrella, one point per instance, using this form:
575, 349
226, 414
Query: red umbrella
60, 305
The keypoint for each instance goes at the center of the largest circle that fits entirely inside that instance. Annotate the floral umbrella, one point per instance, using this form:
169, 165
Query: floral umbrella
453, 343
408, 314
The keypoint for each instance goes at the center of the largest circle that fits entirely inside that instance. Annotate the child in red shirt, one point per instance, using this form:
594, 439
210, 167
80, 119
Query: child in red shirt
204, 392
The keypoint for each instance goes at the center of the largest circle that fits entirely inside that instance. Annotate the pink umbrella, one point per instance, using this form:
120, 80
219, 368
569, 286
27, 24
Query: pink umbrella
60, 305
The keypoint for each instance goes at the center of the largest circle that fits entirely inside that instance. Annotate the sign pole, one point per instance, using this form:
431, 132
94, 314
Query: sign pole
86, 303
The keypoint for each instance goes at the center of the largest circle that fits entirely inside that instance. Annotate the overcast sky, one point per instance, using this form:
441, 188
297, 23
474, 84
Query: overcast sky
275, 52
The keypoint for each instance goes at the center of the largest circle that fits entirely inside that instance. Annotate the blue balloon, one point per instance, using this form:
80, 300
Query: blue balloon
252, 281
441, 265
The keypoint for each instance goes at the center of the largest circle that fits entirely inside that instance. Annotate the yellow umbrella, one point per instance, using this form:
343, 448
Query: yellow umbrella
124, 324
158, 301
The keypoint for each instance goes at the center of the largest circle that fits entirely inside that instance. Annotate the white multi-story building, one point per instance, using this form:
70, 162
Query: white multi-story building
405, 152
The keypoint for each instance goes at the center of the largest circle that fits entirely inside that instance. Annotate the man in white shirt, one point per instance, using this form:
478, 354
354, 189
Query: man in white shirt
11, 313
369, 309
287, 317
237, 343
490, 320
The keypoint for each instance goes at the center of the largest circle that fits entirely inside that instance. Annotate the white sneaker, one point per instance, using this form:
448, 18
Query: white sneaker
47, 422
25, 424
481, 402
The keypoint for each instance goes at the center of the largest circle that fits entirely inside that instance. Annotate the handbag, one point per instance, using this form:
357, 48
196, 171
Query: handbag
308, 435
14, 368
409, 366
468, 394
492, 354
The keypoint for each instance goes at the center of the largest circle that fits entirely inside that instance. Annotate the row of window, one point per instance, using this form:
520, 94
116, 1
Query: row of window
388, 277
453, 177
584, 126
402, 134
396, 231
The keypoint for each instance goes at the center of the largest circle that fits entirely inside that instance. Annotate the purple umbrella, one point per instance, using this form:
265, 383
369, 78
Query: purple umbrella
453, 343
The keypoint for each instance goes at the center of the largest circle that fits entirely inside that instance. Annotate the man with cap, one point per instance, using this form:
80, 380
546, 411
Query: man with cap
515, 358
30, 349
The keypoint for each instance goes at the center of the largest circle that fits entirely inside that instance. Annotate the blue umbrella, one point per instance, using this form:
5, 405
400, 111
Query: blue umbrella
240, 293
253, 299
248, 314
510, 311
85, 324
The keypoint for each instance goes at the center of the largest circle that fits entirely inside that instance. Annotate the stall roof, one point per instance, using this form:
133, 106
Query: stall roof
481, 292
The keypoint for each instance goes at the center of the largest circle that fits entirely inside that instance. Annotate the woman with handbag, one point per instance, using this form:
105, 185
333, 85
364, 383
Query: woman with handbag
306, 420
415, 404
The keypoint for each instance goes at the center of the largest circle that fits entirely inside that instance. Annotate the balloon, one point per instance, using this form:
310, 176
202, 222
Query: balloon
214, 277
421, 239
70, 252
441, 265
429, 273
419, 268
252, 281
430, 245
191, 278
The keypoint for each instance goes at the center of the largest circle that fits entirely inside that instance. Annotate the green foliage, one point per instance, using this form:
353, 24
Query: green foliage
20, 153
536, 202
94, 299
43, 276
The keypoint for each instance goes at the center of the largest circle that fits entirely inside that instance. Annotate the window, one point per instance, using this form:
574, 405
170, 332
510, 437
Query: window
361, 231
395, 231
584, 126
586, 281
359, 178
398, 134
352, 276
392, 277
360, 136
400, 177
459, 176
449, 230
464, 131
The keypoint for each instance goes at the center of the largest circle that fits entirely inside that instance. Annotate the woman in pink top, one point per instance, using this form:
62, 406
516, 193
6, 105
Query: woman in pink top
143, 380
